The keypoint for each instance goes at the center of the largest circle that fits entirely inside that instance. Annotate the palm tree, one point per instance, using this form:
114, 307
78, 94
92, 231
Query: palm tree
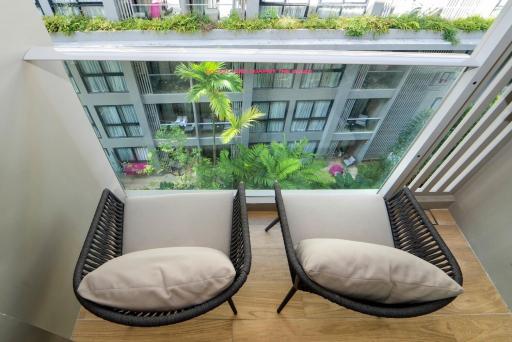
237, 123
212, 80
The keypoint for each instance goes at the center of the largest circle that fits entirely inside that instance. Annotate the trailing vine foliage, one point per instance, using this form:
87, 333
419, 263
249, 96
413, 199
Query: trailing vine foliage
351, 26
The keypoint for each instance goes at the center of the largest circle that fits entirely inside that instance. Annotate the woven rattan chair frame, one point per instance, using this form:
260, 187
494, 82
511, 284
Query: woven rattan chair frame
105, 240
412, 232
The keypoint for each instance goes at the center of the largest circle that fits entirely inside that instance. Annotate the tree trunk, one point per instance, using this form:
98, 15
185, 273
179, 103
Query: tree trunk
214, 147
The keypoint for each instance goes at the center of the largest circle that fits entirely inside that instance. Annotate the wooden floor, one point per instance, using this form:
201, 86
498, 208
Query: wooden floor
477, 315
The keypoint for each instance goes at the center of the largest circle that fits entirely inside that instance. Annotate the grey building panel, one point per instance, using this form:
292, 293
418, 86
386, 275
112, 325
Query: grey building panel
404, 109
153, 119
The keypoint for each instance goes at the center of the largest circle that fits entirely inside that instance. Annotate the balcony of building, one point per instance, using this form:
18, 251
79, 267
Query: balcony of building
334, 116
299, 9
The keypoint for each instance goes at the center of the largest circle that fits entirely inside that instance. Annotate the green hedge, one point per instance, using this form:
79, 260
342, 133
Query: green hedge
352, 26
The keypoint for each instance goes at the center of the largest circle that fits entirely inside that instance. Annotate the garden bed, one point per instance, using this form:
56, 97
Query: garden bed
195, 26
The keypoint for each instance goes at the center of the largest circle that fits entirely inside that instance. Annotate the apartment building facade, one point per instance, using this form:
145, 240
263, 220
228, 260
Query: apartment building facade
343, 110
216, 9
351, 111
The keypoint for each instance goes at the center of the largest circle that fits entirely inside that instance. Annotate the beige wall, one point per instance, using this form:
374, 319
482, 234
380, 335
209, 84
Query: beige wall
53, 170
483, 209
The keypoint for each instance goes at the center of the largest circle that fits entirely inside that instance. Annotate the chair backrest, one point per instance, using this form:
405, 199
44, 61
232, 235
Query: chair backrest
104, 240
351, 215
413, 233
201, 219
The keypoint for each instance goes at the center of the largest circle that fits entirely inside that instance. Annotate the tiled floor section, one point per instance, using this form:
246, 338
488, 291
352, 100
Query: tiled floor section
477, 315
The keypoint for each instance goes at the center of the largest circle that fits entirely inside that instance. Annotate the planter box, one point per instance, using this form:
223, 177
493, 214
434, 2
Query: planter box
296, 39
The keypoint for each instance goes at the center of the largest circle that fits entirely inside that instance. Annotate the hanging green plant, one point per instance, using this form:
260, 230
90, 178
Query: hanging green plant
352, 26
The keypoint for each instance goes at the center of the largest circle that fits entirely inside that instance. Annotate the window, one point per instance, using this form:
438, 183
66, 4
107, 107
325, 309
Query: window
175, 113
180, 114
442, 78
131, 154
364, 115
383, 76
93, 124
102, 76
310, 115
358, 128
367, 108
71, 78
89, 8
284, 8
322, 76
330, 8
274, 75
164, 79
274, 116
206, 117
119, 121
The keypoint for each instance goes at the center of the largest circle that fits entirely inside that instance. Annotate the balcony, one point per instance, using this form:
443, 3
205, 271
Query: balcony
305, 9
242, 135
479, 312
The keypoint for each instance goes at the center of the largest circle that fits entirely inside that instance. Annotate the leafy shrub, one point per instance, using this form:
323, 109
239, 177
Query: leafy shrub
178, 23
370, 175
353, 26
166, 186
474, 23
259, 166
270, 13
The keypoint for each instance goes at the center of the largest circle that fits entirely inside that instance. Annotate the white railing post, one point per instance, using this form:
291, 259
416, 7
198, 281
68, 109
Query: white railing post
252, 8
110, 8
184, 7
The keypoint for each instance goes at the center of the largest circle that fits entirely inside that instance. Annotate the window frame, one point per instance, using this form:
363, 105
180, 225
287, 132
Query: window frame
71, 77
267, 120
122, 124
132, 148
104, 75
91, 120
274, 76
310, 118
54, 5
322, 71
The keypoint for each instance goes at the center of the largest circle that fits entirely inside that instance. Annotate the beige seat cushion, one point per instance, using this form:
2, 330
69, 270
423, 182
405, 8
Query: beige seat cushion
201, 219
374, 272
352, 215
159, 279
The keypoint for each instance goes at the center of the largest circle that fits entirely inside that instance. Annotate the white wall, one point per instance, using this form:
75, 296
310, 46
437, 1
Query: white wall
52, 174
483, 210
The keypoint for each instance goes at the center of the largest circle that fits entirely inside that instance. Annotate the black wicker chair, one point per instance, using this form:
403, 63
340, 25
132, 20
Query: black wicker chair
412, 232
104, 242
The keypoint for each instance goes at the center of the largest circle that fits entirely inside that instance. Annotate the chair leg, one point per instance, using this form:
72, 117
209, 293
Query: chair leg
287, 299
272, 224
232, 305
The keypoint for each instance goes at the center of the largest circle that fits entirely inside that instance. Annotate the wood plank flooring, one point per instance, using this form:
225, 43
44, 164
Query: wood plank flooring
477, 315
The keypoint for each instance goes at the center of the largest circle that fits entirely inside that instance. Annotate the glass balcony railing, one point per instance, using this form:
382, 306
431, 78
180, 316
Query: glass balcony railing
303, 9
168, 83
206, 128
77, 7
154, 10
361, 125
365, 133
187, 128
